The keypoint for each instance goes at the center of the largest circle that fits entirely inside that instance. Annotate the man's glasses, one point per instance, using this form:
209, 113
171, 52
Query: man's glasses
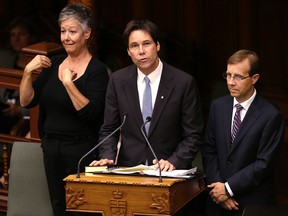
236, 77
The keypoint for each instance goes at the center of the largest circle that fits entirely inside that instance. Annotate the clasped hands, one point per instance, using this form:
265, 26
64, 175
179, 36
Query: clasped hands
165, 165
218, 195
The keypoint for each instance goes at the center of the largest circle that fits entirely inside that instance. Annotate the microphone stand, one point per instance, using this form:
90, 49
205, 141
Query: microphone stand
95, 147
148, 119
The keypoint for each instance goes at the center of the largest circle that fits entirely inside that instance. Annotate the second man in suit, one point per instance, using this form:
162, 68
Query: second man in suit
176, 118
243, 137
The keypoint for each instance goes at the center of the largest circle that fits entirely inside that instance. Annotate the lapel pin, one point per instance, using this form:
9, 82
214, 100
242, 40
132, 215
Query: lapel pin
162, 97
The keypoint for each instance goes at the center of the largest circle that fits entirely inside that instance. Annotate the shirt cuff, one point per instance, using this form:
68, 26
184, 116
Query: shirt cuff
229, 189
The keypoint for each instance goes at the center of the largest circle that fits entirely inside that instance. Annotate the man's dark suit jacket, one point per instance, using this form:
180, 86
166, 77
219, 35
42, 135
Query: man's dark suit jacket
176, 125
249, 163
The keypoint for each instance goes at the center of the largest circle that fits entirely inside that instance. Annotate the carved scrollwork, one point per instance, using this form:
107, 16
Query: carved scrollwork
74, 198
161, 203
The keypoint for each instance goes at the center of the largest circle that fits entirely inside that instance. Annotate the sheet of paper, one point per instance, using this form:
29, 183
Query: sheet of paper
174, 173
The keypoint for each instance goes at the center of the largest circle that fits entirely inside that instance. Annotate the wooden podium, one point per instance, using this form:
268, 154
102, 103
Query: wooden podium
127, 195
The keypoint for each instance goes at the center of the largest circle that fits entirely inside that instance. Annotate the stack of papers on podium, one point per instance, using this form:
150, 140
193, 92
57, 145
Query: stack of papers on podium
118, 170
175, 173
142, 169
130, 170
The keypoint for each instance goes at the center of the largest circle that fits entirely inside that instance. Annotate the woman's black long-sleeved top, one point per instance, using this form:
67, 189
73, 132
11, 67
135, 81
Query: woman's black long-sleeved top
57, 114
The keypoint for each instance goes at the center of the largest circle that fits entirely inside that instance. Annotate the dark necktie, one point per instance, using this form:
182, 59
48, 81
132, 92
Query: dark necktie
147, 103
236, 122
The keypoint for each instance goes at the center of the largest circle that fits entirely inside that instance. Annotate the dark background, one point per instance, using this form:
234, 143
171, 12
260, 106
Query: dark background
198, 37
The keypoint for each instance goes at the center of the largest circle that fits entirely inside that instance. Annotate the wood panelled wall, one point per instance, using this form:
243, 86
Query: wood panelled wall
198, 37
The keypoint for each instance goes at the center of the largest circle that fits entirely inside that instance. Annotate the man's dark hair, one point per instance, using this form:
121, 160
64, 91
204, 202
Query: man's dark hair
141, 24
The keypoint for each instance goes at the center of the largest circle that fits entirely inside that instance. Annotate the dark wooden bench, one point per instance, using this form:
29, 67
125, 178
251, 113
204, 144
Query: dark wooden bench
10, 78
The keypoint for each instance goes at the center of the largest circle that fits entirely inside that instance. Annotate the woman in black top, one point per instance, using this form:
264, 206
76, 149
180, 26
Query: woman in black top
70, 92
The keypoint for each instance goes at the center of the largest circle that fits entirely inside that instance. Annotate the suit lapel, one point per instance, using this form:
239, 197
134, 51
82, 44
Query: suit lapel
131, 92
227, 121
165, 88
248, 121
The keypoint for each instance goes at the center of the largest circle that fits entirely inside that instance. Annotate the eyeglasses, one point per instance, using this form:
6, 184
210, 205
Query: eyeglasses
236, 77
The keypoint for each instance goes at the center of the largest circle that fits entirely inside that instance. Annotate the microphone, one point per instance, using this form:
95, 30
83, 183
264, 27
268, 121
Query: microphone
148, 119
95, 147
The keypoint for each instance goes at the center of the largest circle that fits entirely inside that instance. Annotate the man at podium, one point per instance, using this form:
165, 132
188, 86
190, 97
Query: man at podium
150, 93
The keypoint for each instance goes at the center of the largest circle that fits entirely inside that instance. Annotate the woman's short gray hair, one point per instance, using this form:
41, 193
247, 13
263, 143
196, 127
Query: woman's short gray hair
78, 12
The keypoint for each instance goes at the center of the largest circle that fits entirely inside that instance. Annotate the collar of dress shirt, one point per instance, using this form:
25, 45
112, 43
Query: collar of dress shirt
153, 75
246, 104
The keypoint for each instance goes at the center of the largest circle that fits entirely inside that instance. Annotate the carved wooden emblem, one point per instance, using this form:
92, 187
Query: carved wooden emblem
118, 206
161, 203
74, 198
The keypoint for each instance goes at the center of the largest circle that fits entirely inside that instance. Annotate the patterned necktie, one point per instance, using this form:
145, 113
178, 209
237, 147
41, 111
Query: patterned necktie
236, 122
147, 103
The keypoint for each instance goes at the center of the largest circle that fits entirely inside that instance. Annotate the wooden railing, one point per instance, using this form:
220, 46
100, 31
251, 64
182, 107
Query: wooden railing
10, 79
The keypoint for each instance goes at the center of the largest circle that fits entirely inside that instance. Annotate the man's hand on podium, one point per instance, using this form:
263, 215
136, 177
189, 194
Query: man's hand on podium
165, 165
102, 162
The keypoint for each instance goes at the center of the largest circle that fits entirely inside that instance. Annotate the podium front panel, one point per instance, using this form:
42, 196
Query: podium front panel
125, 195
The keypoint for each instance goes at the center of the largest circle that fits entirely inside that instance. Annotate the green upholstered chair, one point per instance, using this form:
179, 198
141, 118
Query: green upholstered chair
28, 191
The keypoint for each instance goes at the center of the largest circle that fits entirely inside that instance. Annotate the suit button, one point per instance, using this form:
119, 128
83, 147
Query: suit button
228, 162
